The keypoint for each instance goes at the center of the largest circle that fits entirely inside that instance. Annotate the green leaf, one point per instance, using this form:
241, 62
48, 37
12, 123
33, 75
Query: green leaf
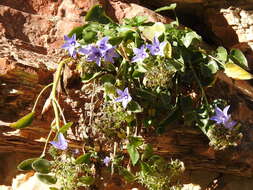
42, 166
150, 32
65, 127
23, 122
134, 107
189, 37
202, 120
83, 159
148, 152
115, 40
222, 54
87, 180
47, 179
135, 21
97, 14
168, 50
108, 78
145, 168
126, 174
53, 188
26, 164
134, 154
109, 88
239, 57
135, 141
136, 74
89, 36
213, 66
167, 8
78, 31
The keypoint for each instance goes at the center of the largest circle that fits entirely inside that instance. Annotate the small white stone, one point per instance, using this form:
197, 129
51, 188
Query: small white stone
13, 91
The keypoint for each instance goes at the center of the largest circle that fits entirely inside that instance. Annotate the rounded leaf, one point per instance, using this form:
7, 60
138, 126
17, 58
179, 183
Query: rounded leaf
236, 72
83, 159
26, 164
87, 180
42, 166
168, 50
47, 179
156, 30
239, 57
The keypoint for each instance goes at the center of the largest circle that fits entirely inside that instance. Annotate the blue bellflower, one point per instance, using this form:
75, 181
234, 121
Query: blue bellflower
140, 54
124, 97
103, 44
61, 143
110, 54
95, 54
71, 44
156, 48
222, 117
85, 50
107, 160
101, 50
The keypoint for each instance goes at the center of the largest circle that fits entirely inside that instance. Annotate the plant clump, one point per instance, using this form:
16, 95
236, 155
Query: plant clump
142, 76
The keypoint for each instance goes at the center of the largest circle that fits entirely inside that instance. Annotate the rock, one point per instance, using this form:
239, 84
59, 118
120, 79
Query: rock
29, 52
120, 10
231, 28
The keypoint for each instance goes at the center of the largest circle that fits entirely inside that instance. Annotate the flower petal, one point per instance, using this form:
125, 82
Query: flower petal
225, 110
124, 103
120, 92
66, 38
73, 37
230, 124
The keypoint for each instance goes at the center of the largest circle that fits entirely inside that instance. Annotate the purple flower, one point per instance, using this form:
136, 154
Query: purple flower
85, 50
222, 117
71, 44
140, 54
103, 44
124, 97
107, 160
156, 48
110, 54
61, 144
95, 54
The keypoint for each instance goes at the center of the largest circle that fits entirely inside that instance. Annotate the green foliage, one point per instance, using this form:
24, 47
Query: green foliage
134, 143
42, 166
87, 180
26, 164
239, 58
24, 121
160, 89
85, 158
97, 14
65, 127
47, 179
166, 8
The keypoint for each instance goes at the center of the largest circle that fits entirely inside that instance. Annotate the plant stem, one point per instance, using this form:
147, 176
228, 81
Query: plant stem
45, 146
41, 92
216, 59
200, 86
54, 89
114, 155
61, 112
92, 102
